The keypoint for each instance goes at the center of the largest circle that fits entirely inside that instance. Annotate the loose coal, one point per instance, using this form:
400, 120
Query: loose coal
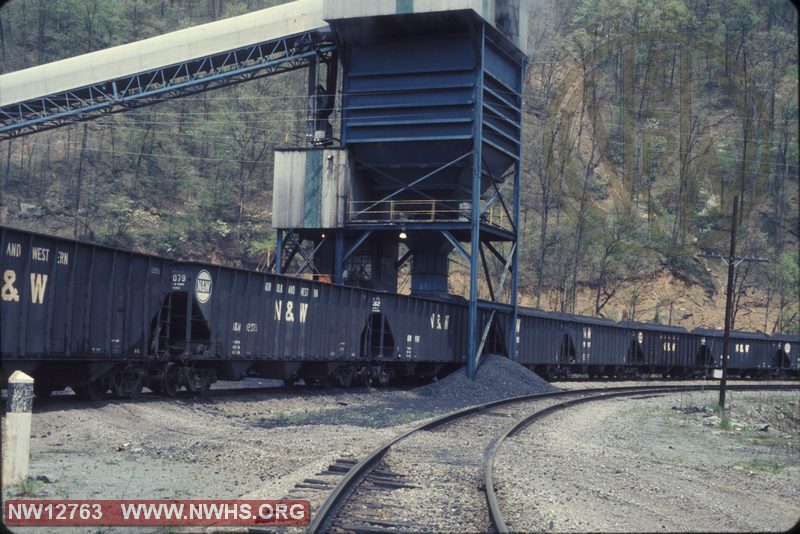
497, 378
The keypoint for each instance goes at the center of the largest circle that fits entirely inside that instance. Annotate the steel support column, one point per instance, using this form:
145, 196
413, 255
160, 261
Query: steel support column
338, 267
513, 335
279, 253
477, 166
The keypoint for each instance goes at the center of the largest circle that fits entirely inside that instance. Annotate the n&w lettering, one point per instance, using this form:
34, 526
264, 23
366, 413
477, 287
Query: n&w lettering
288, 313
38, 284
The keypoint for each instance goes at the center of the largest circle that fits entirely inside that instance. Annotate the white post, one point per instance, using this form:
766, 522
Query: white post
17, 428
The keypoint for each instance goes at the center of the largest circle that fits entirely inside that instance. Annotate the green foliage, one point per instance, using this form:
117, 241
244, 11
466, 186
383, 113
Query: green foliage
789, 278
27, 488
192, 178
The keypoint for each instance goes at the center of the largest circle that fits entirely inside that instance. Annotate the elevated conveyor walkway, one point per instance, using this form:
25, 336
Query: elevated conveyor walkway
192, 60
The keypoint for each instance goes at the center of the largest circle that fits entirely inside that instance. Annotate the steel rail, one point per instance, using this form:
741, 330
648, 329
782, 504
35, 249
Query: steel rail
495, 513
326, 512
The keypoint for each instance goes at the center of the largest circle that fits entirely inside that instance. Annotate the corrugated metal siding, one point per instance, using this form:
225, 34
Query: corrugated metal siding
288, 193
310, 188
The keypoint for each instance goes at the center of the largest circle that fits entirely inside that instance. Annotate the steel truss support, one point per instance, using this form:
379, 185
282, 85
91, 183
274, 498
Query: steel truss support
410, 186
279, 265
509, 261
147, 88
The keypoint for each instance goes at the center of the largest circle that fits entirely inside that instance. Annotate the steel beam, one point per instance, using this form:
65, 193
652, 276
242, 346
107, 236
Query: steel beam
456, 244
338, 268
358, 243
513, 335
414, 183
278, 262
146, 88
473, 357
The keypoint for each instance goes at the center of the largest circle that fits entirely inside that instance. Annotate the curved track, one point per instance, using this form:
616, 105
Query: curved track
333, 514
495, 512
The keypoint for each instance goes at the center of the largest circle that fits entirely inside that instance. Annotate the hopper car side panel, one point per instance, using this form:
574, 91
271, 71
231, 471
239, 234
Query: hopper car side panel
423, 329
98, 318
543, 344
750, 353
258, 316
601, 345
785, 350
667, 349
63, 299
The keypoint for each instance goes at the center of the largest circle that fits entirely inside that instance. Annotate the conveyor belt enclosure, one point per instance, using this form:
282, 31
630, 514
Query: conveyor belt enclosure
232, 50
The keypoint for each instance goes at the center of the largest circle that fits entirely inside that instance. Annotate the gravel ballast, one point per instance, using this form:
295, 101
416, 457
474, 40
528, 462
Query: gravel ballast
662, 464
258, 444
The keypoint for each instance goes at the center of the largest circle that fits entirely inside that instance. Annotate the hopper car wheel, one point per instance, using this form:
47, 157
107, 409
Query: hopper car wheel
42, 391
345, 378
170, 384
289, 381
205, 387
384, 376
94, 391
127, 385
365, 377
328, 381
137, 390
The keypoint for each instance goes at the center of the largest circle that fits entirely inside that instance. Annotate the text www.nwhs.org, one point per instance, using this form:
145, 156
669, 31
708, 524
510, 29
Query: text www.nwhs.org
156, 512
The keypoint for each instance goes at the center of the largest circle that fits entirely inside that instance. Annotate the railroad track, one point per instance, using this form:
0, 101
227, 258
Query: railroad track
362, 501
498, 523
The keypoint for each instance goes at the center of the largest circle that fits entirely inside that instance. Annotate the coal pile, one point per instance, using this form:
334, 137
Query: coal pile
497, 378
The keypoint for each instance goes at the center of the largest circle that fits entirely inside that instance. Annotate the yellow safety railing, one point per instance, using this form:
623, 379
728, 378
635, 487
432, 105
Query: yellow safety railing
400, 211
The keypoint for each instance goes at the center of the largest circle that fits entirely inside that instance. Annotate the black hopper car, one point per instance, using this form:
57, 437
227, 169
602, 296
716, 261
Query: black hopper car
100, 319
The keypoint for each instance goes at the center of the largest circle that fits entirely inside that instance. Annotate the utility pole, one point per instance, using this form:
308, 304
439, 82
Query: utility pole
728, 307
732, 261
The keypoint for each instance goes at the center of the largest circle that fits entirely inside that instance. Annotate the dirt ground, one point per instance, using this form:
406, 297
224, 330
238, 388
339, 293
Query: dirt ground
668, 464
250, 445
261, 443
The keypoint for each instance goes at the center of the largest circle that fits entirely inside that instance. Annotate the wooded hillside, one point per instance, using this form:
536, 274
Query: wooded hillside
643, 120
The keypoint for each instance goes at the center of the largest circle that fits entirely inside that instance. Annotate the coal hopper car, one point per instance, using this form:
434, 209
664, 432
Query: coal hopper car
103, 320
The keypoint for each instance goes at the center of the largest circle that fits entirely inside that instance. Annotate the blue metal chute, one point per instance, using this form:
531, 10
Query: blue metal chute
432, 116
409, 101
